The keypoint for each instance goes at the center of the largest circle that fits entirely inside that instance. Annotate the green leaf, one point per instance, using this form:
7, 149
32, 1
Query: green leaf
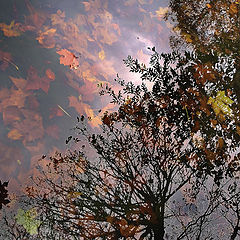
28, 221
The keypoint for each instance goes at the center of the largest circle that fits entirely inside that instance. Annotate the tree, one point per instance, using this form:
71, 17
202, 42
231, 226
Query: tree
152, 170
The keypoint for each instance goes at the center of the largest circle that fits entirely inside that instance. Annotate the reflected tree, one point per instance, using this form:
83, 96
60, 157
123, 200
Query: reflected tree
151, 172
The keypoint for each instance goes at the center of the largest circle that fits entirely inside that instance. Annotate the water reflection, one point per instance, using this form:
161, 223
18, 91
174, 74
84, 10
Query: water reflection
40, 94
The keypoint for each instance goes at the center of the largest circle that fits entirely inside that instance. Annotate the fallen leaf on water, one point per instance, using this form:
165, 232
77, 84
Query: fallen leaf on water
11, 30
68, 59
161, 12
35, 82
220, 104
19, 82
50, 74
101, 55
46, 39
15, 134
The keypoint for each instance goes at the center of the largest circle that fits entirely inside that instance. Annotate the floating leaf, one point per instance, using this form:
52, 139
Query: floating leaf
101, 55
68, 59
28, 221
220, 104
15, 134
11, 30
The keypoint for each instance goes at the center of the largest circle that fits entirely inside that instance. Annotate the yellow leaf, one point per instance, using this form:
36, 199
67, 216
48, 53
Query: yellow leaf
222, 97
101, 55
161, 11
220, 104
187, 37
74, 194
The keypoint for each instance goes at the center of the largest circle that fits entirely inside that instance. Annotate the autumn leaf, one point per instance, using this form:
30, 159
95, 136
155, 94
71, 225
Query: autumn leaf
50, 74
68, 59
101, 55
88, 75
11, 30
36, 18
19, 82
161, 12
30, 127
12, 97
208, 5
35, 82
233, 9
15, 134
220, 142
220, 104
28, 221
46, 39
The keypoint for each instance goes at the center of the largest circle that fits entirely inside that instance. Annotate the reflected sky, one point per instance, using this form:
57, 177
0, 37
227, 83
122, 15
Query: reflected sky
53, 53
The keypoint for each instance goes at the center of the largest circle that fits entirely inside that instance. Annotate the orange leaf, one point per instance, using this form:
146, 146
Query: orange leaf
68, 59
50, 74
11, 30
233, 9
14, 134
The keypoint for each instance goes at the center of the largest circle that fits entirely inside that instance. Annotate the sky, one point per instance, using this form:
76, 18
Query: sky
53, 54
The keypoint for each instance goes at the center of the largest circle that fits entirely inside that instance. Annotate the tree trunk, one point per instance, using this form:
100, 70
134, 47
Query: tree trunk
158, 229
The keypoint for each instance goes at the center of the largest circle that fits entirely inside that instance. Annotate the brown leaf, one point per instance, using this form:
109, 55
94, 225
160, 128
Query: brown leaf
35, 82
